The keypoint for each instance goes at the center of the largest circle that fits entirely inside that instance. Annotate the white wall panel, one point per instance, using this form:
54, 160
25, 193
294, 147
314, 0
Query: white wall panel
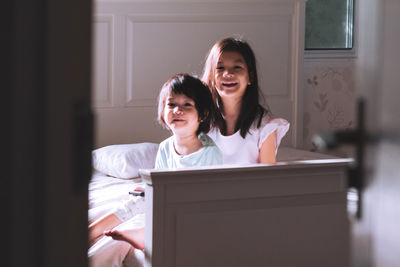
103, 60
179, 43
152, 41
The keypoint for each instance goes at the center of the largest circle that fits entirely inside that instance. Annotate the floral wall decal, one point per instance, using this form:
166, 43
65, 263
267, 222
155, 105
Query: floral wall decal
322, 102
313, 81
329, 97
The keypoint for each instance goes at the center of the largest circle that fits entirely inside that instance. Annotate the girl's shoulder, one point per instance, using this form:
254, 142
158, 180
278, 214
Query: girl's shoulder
270, 121
269, 125
262, 121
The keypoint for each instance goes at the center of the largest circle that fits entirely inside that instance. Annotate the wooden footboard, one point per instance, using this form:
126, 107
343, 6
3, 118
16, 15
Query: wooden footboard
288, 214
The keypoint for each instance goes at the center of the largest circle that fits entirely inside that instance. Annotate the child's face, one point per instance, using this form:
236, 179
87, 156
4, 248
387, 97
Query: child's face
180, 114
231, 75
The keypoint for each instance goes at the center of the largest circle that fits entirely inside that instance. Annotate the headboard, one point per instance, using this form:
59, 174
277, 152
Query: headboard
139, 45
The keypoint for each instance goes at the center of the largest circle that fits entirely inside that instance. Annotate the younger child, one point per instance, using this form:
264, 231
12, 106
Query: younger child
186, 108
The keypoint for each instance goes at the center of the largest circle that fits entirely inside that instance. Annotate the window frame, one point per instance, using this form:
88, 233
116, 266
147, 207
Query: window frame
345, 53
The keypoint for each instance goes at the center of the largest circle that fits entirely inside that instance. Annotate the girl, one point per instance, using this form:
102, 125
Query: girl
185, 108
244, 130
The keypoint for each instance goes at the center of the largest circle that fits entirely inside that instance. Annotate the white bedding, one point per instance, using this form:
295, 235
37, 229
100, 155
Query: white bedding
106, 193
291, 154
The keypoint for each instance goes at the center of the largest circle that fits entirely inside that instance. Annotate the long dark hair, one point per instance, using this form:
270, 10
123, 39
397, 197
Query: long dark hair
251, 110
196, 90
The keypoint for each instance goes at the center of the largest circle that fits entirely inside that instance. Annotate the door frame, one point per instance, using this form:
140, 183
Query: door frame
48, 58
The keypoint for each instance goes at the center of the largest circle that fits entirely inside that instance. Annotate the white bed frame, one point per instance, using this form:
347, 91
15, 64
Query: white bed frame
289, 214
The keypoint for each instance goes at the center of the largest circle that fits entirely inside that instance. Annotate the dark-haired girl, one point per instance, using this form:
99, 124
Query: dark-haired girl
186, 109
244, 130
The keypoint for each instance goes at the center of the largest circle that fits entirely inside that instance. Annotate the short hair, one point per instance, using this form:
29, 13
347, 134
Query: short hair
196, 90
251, 109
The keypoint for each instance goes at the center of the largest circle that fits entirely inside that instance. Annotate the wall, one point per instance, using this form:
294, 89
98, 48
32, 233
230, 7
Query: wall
139, 45
185, 1
329, 97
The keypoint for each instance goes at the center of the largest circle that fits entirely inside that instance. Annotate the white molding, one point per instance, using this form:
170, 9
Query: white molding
330, 54
297, 72
108, 52
174, 8
131, 19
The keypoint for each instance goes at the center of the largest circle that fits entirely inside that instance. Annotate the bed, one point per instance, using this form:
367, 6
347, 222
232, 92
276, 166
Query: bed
289, 214
292, 213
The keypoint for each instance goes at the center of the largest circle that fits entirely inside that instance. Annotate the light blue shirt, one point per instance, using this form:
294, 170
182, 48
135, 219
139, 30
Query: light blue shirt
208, 155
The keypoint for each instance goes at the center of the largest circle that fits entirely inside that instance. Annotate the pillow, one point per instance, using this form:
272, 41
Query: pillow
125, 160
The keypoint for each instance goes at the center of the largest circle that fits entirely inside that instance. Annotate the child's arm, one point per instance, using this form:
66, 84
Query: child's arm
267, 151
97, 228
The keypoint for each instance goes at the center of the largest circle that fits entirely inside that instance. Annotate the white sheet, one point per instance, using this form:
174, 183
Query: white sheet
108, 252
106, 193
293, 154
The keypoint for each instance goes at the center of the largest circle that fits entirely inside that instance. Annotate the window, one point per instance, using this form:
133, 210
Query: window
329, 28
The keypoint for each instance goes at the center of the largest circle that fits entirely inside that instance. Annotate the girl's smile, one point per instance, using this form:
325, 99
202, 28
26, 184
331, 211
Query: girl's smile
229, 84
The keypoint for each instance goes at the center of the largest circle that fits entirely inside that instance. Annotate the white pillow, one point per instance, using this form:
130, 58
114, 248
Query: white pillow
125, 160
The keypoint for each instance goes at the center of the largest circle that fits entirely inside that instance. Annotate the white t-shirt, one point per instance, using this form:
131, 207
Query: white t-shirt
208, 155
236, 149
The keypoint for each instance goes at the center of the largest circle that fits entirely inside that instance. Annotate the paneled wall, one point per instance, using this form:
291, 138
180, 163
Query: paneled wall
139, 45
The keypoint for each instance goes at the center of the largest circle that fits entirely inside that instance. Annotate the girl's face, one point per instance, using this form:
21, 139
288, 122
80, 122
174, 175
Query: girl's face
231, 75
180, 114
